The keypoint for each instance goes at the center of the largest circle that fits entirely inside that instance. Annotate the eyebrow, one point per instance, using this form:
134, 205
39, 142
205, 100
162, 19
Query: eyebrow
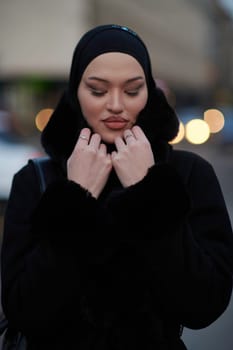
106, 81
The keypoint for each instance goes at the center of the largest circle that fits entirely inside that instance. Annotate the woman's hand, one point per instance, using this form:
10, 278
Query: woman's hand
133, 157
89, 164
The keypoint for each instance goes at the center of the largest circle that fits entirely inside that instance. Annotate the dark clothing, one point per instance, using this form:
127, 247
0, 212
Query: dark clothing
127, 270
123, 271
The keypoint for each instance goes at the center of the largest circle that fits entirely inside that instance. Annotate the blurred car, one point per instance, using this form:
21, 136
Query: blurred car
14, 154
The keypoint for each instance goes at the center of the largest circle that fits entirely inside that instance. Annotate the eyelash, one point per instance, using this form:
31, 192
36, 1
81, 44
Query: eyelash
102, 93
132, 93
97, 93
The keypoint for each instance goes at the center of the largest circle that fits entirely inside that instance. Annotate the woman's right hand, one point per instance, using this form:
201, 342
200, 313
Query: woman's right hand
89, 164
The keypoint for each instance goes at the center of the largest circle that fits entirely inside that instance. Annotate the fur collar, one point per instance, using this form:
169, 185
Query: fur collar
158, 120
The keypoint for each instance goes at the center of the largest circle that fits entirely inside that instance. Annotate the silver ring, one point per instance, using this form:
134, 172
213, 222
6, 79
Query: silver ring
127, 136
83, 137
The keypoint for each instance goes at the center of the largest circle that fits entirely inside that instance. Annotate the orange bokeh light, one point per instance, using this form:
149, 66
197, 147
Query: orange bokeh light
42, 118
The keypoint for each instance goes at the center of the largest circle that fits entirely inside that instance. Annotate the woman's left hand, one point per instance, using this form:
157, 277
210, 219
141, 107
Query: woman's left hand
133, 157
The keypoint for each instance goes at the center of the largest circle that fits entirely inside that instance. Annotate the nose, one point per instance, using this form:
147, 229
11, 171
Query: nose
115, 102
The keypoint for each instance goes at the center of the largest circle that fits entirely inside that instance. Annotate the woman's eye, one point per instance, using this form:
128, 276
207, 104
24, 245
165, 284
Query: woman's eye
132, 92
96, 92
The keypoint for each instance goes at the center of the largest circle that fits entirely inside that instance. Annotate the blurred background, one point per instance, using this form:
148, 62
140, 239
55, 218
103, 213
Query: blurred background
191, 46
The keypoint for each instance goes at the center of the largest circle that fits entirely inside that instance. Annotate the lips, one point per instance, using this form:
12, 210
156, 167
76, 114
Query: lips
115, 123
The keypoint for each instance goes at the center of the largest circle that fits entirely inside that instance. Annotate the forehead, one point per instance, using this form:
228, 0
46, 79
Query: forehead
112, 62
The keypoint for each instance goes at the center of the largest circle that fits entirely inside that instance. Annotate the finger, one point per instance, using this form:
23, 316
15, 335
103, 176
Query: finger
95, 141
113, 155
103, 149
119, 143
128, 136
138, 133
84, 137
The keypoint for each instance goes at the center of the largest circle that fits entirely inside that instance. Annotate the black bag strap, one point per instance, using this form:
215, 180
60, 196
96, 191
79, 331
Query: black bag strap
39, 164
3, 325
47, 171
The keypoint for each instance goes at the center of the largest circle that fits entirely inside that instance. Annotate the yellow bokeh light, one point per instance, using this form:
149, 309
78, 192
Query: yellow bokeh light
215, 119
180, 135
197, 131
42, 118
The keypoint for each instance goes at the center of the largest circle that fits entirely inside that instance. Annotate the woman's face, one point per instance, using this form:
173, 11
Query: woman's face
111, 94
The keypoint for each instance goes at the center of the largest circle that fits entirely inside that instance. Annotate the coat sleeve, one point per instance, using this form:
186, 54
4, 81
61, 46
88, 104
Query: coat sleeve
185, 237
44, 241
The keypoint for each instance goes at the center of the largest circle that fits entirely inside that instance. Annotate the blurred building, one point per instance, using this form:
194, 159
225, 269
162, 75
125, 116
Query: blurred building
190, 43
38, 37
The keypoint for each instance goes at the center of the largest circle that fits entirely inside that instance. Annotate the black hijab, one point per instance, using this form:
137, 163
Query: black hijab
158, 120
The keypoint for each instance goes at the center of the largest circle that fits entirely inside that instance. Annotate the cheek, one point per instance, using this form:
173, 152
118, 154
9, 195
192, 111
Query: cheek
89, 107
138, 105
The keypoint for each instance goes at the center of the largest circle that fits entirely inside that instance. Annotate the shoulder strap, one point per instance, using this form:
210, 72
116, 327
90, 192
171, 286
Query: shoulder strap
3, 325
39, 164
47, 171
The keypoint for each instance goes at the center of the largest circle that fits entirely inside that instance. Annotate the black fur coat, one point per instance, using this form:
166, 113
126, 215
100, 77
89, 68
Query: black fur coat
125, 271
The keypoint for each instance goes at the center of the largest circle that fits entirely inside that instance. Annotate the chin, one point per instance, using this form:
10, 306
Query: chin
110, 139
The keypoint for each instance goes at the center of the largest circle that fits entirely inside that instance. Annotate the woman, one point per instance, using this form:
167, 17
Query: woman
131, 240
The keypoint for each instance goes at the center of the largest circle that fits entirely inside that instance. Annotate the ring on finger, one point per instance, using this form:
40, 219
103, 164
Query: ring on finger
83, 137
127, 136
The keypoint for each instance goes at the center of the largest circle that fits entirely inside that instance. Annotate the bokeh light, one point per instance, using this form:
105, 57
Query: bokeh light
215, 119
42, 118
197, 131
180, 134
